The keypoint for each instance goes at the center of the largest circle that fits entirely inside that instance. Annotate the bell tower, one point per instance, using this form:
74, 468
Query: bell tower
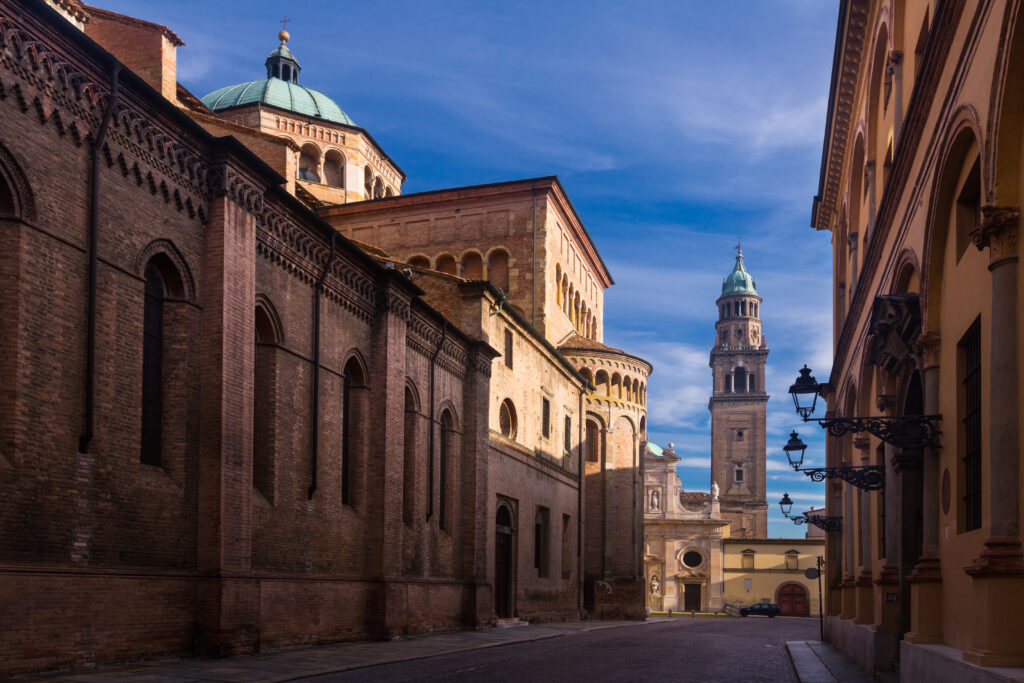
738, 404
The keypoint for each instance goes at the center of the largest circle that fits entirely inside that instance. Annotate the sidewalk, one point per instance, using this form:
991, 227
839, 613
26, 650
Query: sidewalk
818, 662
292, 664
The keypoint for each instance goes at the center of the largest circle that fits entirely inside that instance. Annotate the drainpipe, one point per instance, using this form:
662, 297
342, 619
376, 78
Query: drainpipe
315, 436
94, 239
581, 429
430, 441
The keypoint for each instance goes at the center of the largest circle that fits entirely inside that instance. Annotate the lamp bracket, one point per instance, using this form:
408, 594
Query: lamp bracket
901, 431
867, 477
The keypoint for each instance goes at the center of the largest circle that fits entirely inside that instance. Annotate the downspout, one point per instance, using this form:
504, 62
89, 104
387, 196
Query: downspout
315, 420
430, 441
94, 239
580, 455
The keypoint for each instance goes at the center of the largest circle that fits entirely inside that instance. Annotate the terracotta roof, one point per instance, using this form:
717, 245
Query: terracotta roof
578, 342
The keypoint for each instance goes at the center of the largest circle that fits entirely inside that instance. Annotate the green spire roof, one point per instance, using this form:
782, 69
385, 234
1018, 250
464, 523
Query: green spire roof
279, 89
739, 281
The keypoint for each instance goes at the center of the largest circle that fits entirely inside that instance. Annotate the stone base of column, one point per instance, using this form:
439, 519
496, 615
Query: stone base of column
834, 598
865, 598
849, 599
925, 602
998, 575
887, 607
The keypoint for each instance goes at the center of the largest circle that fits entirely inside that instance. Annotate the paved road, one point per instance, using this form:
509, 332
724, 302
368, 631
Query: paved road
700, 649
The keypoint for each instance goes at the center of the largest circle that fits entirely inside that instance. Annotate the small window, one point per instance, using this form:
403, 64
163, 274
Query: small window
748, 584
592, 445
545, 420
567, 437
508, 349
540, 541
739, 435
507, 419
566, 546
792, 561
738, 474
748, 561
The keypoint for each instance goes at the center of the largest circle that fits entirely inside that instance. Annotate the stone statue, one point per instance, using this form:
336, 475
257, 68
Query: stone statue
655, 501
655, 586
714, 492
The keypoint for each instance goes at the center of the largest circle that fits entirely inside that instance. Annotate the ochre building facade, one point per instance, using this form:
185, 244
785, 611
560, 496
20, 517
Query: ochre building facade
921, 186
240, 413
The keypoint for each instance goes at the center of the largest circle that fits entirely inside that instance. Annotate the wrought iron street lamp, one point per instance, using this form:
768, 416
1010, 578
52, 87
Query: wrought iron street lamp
867, 477
902, 431
826, 524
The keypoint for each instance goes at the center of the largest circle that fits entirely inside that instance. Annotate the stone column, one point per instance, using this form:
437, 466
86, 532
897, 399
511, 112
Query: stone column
999, 569
228, 600
852, 244
887, 579
894, 67
869, 182
926, 578
864, 587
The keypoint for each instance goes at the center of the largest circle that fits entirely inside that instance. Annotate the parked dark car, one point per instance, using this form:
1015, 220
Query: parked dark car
763, 609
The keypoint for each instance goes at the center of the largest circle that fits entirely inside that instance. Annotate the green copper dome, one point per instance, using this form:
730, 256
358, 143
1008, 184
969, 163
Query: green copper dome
739, 281
279, 89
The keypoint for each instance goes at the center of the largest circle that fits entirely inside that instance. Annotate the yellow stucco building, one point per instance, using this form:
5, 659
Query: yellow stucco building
772, 570
921, 186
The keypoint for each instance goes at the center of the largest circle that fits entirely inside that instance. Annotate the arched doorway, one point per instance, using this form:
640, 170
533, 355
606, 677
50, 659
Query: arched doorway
504, 556
793, 600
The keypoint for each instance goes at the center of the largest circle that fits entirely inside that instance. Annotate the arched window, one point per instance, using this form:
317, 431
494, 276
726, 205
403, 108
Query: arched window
446, 264
627, 388
161, 281
602, 383
558, 285
616, 385
740, 380
419, 261
334, 168
472, 266
497, 269
309, 163
409, 465
367, 183
592, 446
378, 188
446, 452
264, 419
353, 402
587, 374
728, 383
152, 367
507, 421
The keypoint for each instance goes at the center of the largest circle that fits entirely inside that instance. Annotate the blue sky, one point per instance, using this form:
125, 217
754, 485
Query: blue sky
675, 127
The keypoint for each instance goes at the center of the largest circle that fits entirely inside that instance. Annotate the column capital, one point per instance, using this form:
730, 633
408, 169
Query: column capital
998, 232
927, 346
861, 442
893, 61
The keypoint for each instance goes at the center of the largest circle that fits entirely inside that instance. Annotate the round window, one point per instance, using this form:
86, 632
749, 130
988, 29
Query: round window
507, 419
692, 559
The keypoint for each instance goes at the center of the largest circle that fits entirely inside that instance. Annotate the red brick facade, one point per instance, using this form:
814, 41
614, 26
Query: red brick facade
245, 536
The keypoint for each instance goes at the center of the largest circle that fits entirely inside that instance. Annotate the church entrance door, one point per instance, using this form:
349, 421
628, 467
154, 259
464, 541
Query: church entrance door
503, 553
793, 601
691, 597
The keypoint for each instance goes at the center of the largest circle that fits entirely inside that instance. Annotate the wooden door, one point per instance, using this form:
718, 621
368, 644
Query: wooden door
691, 597
503, 574
793, 601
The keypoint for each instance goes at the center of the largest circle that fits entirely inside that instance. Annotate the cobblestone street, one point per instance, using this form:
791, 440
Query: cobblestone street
699, 649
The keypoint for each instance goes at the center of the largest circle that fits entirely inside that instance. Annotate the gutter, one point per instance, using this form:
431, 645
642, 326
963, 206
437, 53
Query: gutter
94, 239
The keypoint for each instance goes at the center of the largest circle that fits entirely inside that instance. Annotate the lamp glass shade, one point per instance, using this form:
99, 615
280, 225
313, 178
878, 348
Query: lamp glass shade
794, 450
786, 504
805, 393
